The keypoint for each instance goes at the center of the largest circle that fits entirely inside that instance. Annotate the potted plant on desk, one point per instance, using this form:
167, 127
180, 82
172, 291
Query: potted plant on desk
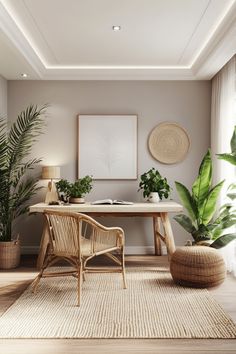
15, 187
154, 186
74, 192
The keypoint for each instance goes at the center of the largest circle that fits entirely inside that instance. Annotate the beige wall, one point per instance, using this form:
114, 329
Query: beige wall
3, 97
185, 102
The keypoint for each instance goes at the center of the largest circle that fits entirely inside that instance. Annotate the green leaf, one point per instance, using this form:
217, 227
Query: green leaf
228, 157
22, 169
185, 222
223, 224
233, 142
209, 207
187, 200
232, 186
202, 233
217, 232
231, 196
225, 211
223, 240
202, 184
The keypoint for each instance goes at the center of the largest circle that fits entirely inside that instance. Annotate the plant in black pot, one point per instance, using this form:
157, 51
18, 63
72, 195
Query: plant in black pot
16, 186
154, 186
74, 192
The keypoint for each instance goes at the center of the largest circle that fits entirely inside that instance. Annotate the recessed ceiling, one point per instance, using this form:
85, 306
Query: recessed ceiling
74, 39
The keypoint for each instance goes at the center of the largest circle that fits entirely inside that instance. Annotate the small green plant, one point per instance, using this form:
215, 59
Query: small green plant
77, 189
201, 207
152, 181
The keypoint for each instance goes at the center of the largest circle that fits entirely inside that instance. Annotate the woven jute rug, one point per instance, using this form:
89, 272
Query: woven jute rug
152, 307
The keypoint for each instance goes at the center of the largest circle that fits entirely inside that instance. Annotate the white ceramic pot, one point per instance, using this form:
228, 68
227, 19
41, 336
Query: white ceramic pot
154, 197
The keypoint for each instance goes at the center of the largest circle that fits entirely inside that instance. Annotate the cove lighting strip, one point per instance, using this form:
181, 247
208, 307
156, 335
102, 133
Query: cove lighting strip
17, 21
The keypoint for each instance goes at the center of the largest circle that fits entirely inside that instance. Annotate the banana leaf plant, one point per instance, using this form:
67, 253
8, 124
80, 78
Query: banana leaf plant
231, 157
16, 187
201, 204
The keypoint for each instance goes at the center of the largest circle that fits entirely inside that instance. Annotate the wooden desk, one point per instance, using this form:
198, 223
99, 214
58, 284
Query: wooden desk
159, 213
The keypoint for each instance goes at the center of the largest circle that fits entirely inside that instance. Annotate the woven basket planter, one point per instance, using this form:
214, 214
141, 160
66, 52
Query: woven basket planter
197, 266
9, 254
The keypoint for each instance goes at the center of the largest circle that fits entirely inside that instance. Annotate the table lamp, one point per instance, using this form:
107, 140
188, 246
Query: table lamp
51, 172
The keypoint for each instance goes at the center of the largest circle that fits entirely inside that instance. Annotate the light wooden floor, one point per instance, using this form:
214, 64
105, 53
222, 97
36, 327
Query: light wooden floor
12, 283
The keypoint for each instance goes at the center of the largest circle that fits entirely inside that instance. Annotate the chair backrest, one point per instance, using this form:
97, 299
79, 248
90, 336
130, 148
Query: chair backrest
65, 230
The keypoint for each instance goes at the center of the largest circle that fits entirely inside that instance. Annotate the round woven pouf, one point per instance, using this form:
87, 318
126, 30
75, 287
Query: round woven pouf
197, 266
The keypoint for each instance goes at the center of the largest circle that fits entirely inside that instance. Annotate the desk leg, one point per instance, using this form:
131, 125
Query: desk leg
169, 238
157, 239
44, 244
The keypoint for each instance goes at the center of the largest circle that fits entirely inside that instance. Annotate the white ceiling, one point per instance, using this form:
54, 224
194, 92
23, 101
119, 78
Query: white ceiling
73, 39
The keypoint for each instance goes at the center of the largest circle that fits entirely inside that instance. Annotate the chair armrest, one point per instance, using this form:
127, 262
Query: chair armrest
95, 223
117, 231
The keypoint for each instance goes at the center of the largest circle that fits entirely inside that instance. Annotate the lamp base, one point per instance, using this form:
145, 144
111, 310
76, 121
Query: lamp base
51, 195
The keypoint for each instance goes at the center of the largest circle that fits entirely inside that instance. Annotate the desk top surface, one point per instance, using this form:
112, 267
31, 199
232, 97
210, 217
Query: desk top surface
161, 207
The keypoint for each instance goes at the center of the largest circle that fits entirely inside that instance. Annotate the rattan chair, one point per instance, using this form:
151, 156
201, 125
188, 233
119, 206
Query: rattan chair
69, 241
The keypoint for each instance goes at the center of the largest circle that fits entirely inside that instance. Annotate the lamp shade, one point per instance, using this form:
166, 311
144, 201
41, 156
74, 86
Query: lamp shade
51, 172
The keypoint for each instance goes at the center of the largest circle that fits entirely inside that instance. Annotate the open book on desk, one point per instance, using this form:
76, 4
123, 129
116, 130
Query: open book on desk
111, 202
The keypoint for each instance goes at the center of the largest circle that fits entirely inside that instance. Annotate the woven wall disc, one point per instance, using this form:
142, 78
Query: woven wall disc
168, 143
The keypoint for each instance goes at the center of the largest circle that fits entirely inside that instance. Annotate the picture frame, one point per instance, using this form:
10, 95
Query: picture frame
107, 146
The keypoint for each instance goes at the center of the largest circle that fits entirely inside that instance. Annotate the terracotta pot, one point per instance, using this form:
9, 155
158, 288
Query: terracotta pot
77, 200
9, 254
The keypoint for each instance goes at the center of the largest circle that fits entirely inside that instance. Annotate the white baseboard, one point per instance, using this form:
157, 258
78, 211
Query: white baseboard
128, 250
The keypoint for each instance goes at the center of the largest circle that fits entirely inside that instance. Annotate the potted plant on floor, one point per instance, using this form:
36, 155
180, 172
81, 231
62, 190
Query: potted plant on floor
74, 192
154, 186
201, 206
16, 188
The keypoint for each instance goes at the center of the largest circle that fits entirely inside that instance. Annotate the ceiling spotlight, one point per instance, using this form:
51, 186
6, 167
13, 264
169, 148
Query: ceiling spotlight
24, 75
116, 28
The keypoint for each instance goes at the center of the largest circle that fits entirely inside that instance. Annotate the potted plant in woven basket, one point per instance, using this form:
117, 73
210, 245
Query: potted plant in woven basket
154, 186
201, 205
74, 192
16, 188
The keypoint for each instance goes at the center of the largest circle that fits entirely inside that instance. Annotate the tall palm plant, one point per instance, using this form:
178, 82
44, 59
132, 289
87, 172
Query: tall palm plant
16, 188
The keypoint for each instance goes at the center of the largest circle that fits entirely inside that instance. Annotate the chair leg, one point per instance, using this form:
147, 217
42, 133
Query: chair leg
79, 280
40, 275
37, 280
123, 268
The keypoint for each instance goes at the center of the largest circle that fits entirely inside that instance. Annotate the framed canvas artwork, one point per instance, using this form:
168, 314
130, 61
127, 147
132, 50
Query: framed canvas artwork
107, 146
